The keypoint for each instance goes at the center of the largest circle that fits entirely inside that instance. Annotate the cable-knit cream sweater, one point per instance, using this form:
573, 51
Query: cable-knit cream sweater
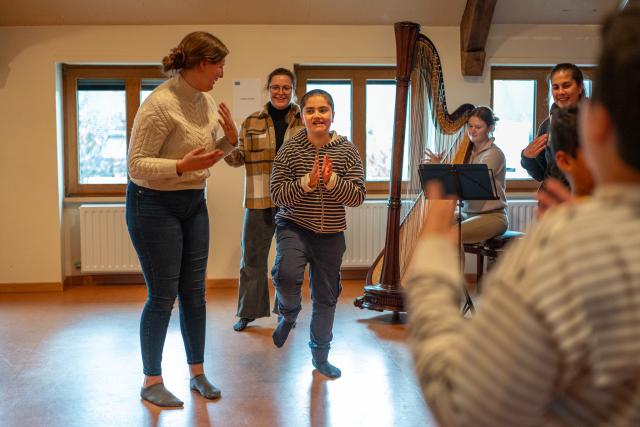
173, 120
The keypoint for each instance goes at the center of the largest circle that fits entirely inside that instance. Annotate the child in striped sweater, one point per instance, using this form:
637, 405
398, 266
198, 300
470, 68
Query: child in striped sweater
315, 175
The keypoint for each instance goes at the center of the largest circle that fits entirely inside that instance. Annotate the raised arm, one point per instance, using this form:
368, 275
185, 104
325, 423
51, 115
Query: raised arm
285, 187
497, 369
348, 188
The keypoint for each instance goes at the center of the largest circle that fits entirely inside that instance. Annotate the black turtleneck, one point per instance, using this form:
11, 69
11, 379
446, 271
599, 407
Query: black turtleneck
279, 122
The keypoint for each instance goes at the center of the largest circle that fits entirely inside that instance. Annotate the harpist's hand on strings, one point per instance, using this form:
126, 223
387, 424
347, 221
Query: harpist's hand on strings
552, 193
439, 218
314, 175
227, 124
327, 169
431, 157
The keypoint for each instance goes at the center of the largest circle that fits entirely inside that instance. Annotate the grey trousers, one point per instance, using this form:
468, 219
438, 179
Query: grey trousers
253, 287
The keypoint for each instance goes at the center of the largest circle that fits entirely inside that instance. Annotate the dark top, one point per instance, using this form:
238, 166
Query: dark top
544, 164
279, 123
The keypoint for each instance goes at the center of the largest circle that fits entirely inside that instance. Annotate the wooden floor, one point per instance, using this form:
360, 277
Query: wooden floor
72, 359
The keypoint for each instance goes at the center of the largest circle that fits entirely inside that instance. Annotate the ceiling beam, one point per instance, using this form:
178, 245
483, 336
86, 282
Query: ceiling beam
474, 30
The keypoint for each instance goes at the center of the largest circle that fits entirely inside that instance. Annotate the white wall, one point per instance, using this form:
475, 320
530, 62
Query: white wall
40, 241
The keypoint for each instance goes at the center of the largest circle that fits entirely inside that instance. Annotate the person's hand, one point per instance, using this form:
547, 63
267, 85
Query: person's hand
536, 146
197, 159
439, 218
314, 175
552, 193
327, 169
227, 124
431, 157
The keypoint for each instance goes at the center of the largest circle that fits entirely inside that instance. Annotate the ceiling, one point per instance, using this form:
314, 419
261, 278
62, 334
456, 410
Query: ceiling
292, 12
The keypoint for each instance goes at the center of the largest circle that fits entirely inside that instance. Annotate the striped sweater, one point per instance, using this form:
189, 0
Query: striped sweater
320, 210
556, 339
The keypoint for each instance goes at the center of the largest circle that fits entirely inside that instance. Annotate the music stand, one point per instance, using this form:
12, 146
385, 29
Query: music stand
465, 182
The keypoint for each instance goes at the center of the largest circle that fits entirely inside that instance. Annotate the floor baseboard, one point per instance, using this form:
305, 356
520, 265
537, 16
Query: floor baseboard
7, 288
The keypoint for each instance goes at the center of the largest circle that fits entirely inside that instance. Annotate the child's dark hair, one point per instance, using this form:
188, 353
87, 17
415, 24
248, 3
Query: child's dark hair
485, 114
564, 131
317, 92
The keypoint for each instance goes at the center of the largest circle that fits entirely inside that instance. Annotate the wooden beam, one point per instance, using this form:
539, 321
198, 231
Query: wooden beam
474, 30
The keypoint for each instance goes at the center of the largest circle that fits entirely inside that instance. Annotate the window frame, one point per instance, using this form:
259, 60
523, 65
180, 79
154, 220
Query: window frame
539, 74
358, 75
133, 76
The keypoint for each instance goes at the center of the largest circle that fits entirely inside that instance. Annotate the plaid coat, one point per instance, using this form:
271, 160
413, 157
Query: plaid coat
257, 149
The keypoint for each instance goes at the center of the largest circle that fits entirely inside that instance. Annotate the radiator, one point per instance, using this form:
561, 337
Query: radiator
366, 227
105, 246
521, 213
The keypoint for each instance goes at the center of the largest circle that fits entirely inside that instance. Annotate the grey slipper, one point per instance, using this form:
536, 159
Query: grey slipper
160, 396
201, 384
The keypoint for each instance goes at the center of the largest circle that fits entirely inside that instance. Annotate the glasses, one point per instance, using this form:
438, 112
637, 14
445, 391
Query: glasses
276, 88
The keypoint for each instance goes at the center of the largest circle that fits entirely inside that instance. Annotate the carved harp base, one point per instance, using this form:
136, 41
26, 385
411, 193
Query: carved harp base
379, 298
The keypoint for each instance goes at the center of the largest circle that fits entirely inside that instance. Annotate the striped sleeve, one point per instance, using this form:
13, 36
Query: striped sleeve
285, 186
497, 369
350, 189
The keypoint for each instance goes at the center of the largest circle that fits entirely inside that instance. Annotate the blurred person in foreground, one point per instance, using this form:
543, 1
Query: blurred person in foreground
557, 336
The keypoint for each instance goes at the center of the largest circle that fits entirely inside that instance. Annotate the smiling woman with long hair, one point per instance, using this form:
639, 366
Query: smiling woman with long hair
484, 219
567, 89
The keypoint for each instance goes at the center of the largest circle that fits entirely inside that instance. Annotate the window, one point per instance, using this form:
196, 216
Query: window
100, 103
521, 99
364, 99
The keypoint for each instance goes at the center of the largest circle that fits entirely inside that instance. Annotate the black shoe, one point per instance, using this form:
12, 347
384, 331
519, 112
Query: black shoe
242, 323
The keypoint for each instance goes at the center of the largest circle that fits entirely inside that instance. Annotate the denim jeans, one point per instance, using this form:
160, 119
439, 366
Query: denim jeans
297, 246
253, 287
170, 233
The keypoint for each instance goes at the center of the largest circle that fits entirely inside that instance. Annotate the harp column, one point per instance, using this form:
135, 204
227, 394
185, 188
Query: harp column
387, 294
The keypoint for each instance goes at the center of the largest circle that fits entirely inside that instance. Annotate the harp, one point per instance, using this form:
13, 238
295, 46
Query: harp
419, 72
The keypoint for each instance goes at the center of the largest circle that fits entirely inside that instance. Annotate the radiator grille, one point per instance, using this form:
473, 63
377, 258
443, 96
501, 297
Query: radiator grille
366, 227
105, 246
521, 214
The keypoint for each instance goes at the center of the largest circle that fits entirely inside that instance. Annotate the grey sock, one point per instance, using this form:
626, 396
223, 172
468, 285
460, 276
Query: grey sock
160, 396
327, 369
281, 332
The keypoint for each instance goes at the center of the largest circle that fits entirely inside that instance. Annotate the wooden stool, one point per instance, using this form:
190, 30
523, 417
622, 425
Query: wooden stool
489, 248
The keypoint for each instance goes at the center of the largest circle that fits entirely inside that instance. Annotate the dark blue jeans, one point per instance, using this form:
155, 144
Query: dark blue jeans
170, 232
297, 246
